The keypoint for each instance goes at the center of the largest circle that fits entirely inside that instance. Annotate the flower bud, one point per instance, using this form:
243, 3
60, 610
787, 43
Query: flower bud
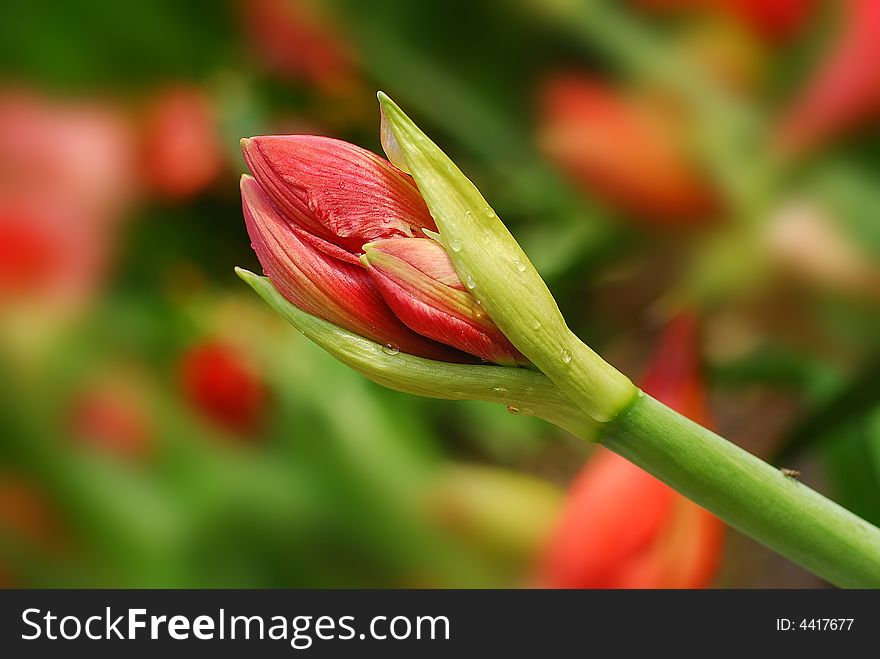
319, 278
338, 191
417, 280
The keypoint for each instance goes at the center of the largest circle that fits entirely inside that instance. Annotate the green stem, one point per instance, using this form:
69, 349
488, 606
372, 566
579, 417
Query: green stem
741, 489
749, 494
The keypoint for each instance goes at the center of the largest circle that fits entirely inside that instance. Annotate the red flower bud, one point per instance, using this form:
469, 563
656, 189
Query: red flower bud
338, 191
629, 155
419, 283
623, 528
326, 280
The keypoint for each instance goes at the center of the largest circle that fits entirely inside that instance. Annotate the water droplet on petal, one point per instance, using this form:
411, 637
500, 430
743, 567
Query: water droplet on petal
470, 283
390, 349
455, 245
566, 355
499, 390
513, 410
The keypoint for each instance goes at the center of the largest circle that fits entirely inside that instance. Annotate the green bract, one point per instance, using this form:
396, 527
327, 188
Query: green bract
499, 274
523, 390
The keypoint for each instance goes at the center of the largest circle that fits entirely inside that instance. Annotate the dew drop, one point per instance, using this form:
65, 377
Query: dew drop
566, 355
470, 283
390, 349
513, 410
489, 212
467, 216
521, 267
499, 390
455, 245
536, 324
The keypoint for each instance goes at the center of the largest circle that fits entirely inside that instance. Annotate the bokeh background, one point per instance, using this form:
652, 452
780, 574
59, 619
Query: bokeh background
697, 181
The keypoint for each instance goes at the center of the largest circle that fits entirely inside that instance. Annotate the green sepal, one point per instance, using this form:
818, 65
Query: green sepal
500, 275
523, 390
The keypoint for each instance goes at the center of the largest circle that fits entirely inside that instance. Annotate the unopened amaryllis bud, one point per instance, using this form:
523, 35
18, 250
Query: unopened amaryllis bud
417, 280
345, 194
325, 280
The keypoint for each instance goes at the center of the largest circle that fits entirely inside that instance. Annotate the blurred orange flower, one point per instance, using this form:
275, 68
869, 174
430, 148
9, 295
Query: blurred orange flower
629, 154
623, 528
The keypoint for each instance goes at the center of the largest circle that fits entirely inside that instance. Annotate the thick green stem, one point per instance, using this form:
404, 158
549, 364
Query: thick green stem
749, 494
741, 489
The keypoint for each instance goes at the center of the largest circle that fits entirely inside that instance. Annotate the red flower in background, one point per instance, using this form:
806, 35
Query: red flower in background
294, 42
631, 155
181, 148
113, 421
773, 20
66, 174
221, 384
846, 88
623, 528
27, 518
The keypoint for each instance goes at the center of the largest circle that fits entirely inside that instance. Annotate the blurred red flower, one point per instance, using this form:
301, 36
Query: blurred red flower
774, 20
623, 528
845, 90
220, 383
28, 519
112, 420
629, 154
295, 42
66, 174
181, 147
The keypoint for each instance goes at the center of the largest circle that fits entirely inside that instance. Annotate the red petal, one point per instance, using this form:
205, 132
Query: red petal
429, 306
343, 193
324, 286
